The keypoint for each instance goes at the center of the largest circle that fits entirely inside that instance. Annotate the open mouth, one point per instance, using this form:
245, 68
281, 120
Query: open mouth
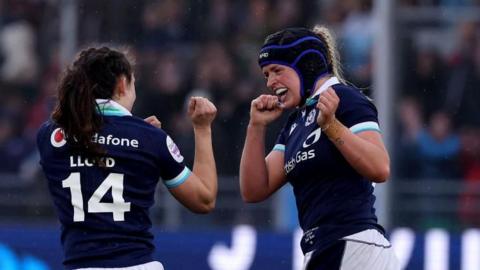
281, 91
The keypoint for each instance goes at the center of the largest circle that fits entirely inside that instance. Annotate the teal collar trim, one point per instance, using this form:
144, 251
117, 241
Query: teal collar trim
109, 107
311, 101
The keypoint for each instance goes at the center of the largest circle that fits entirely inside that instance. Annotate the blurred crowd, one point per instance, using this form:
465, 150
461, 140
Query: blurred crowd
181, 47
209, 48
438, 3
438, 115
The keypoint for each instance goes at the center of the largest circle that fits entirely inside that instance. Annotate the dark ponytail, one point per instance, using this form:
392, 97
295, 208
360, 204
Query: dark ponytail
93, 75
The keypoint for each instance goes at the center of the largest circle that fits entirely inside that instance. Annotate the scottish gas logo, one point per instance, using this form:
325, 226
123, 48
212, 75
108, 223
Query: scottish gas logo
302, 155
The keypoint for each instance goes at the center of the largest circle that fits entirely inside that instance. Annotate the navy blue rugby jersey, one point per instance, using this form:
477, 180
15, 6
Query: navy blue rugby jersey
332, 198
104, 212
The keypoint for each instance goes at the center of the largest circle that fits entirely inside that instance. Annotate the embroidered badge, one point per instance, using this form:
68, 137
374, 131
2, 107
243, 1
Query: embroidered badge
174, 151
310, 118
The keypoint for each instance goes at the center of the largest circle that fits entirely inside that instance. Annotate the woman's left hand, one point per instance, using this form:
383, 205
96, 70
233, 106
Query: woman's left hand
327, 105
153, 120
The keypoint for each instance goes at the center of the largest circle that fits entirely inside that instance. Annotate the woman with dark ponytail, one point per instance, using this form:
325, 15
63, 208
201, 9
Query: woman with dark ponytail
76, 111
103, 164
330, 150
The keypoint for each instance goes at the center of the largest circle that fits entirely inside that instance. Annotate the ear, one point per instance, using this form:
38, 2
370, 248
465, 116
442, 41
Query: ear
121, 86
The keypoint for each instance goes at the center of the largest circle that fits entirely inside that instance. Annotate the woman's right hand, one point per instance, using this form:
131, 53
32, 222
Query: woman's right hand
265, 109
201, 111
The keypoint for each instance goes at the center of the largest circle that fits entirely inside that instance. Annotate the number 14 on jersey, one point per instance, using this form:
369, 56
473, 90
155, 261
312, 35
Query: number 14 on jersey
118, 207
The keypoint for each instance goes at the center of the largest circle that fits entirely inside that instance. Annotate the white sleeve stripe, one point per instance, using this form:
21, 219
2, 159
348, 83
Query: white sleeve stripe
373, 126
279, 147
179, 179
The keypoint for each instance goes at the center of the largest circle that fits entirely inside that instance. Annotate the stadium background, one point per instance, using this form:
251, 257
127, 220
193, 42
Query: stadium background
418, 59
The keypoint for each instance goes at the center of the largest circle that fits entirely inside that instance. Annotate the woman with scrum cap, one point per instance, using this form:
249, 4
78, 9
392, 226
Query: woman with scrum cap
330, 150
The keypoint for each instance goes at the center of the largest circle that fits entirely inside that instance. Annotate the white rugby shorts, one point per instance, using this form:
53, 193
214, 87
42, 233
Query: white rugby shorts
367, 249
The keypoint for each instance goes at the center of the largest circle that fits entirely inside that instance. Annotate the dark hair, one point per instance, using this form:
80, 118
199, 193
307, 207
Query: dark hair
93, 75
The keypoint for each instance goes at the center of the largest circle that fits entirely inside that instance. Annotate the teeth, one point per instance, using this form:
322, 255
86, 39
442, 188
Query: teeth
281, 91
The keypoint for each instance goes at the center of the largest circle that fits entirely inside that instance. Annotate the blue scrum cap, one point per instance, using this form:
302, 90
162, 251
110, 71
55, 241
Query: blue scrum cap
302, 50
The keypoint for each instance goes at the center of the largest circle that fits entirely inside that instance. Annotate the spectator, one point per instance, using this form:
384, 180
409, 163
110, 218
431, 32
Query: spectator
164, 87
357, 37
406, 150
439, 148
462, 92
164, 24
287, 13
218, 23
17, 42
14, 148
470, 197
426, 83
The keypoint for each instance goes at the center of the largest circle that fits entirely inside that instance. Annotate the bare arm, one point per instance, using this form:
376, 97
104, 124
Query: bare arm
198, 193
364, 151
260, 176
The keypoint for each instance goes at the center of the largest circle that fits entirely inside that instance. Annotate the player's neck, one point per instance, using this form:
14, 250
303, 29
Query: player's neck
124, 102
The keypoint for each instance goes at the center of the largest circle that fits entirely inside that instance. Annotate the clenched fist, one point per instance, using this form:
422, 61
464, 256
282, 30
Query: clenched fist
327, 105
201, 111
153, 120
264, 109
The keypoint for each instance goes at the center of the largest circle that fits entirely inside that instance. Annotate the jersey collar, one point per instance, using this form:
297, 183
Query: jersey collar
313, 99
109, 107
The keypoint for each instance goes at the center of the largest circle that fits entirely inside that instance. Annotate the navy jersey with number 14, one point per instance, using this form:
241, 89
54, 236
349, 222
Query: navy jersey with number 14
104, 211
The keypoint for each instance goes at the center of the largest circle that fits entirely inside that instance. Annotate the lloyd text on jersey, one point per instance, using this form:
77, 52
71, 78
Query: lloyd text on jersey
79, 161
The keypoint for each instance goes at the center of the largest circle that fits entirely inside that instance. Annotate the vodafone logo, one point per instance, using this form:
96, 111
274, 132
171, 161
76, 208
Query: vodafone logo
58, 138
